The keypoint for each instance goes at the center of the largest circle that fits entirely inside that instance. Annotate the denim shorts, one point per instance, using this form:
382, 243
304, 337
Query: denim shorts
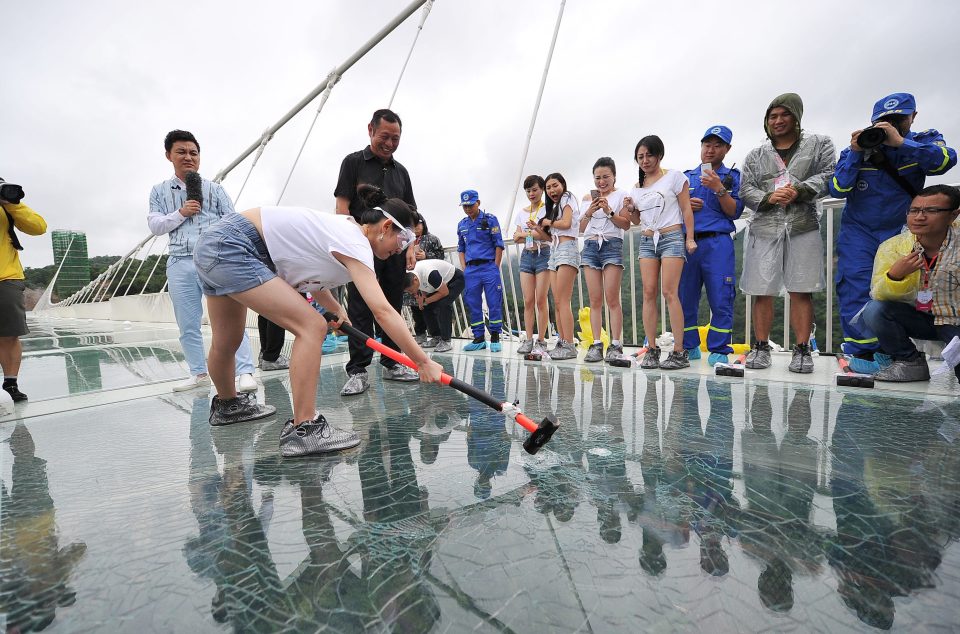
231, 257
533, 262
670, 245
597, 257
565, 253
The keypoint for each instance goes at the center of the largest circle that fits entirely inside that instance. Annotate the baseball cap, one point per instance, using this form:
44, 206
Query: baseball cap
469, 197
720, 131
897, 103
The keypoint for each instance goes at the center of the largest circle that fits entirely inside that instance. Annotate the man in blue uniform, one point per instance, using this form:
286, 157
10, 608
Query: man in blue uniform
715, 198
879, 184
480, 246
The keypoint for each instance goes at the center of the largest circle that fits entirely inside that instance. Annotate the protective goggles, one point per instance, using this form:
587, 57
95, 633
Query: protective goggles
406, 235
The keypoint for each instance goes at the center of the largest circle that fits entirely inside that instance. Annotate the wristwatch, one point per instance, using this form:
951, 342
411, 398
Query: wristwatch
723, 192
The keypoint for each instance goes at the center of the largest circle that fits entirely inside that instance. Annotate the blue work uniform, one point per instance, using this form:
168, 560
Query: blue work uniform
478, 240
876, 210
713, 264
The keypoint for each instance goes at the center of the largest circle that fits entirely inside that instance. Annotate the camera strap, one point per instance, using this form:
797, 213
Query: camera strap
13, 234
879, 160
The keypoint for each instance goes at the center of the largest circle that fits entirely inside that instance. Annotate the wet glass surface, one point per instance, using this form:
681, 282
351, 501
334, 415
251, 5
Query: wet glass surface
663, 503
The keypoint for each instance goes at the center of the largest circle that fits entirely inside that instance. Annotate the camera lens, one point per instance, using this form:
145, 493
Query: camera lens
871, 138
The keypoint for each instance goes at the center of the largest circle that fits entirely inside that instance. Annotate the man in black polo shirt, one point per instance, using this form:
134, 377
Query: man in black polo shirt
374, 165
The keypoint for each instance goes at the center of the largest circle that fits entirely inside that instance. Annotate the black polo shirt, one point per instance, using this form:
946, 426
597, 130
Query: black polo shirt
365, 168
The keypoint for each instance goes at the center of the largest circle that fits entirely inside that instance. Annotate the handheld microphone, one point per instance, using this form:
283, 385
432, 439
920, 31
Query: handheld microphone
194, 186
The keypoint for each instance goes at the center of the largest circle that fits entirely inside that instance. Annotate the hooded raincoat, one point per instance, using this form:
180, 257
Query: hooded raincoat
809, 170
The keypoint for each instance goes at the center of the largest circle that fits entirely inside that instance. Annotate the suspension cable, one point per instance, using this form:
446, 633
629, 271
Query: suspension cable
332, 80
526, 149
423, 20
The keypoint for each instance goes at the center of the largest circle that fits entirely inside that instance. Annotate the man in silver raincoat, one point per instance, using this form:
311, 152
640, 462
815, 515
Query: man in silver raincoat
782, 180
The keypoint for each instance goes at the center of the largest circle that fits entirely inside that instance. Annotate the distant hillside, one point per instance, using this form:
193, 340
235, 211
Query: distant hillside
37, 279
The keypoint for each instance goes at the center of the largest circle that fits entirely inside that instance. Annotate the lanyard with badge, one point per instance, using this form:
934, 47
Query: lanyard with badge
925, 293
530, 244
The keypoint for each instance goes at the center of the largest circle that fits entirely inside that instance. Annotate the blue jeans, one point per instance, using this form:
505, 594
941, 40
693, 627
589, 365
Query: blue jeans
183, 285
895, 322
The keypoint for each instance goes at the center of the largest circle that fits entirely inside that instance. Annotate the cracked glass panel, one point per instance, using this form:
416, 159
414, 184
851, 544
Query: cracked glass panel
664, 502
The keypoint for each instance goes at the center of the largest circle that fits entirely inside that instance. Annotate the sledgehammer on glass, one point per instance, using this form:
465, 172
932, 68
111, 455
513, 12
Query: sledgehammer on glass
539, 434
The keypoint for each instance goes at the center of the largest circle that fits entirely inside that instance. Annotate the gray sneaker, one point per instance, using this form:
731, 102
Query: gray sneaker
675, 360
431, 342
443, 345
525, 347
239, 409
314, 437
538, 351
905, 370
651, 360
282, 363
420, 339
400, 372
802, 361
564, 350
356, 384
594, 352
759, 356
614, 351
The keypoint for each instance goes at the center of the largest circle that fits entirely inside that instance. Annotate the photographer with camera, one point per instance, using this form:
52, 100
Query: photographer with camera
882, 170
13, 314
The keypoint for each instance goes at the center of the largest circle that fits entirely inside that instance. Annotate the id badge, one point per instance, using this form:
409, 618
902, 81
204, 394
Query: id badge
925, 300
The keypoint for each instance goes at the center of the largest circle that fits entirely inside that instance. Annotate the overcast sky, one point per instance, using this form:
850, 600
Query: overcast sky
90, 89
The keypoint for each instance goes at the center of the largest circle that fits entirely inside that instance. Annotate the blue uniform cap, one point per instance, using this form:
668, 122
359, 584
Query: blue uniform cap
722, 132
897, 103
469, 197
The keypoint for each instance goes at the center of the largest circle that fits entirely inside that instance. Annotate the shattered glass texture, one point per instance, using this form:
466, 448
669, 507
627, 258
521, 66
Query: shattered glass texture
665, 502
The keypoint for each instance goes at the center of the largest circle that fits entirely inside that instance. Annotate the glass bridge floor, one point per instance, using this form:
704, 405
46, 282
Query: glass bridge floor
665, 502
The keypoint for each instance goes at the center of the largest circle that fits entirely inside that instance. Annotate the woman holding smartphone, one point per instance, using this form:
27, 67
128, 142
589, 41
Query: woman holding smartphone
660, 204
562, 220
603, 223
534, 275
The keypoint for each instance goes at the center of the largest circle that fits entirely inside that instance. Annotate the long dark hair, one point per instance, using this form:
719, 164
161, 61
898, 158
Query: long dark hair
555, 210
654, 145
372, 196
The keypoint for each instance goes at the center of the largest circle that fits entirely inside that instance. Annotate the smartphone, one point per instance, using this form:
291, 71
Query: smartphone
706, 167
594, 193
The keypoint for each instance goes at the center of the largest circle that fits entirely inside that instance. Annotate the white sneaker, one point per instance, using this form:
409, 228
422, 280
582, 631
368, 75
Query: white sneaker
193, 383
246, 383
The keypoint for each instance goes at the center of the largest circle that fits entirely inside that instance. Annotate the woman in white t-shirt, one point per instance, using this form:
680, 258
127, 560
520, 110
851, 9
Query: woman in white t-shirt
660, 204
563, 222
534, 275
603, 222
260, 259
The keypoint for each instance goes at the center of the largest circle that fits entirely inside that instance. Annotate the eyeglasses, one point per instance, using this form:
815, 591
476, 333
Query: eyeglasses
928, 211
406, 235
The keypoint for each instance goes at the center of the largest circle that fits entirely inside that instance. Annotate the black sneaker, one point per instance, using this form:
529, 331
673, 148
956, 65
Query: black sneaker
15, 393
237, 410
314, 437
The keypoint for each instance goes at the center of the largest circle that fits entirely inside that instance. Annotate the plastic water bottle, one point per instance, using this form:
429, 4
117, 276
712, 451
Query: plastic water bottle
528, 243
813, 340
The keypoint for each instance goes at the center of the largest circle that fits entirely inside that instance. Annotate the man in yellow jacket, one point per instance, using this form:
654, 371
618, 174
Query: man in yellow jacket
13, 316
915, 288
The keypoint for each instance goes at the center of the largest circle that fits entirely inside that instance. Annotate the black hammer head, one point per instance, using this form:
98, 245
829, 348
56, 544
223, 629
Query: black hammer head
852, 379
540, 437
620, 362
729, 369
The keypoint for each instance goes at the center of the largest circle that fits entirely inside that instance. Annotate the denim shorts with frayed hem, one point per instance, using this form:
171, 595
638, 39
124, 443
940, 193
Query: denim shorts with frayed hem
597, 256
670, 245
565, 253
534, 262
231, 257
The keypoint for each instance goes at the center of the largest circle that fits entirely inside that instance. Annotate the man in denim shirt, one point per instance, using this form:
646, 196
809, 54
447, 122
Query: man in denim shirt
184, 220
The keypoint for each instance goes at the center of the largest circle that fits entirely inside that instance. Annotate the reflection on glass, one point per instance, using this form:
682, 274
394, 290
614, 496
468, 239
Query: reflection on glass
34, 570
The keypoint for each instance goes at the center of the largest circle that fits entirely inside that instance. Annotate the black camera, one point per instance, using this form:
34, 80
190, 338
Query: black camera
11, 193
871, 138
